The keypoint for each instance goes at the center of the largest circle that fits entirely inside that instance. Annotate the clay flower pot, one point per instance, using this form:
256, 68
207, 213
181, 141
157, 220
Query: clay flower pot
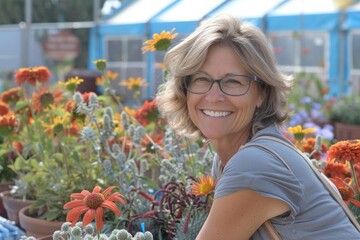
13, 205
36, 227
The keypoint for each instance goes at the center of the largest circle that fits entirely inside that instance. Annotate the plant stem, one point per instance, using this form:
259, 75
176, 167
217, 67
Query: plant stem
354, 176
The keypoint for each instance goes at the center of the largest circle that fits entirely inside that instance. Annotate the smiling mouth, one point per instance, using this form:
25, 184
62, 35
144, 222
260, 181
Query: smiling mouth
216, 113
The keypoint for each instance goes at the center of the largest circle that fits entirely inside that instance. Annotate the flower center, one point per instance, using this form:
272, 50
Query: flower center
163, 44
94, 200
46, 99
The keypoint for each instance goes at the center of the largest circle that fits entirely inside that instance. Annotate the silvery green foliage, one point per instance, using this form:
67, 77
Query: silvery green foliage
88, 134
78, 232
187, 158
87, 108
194, 225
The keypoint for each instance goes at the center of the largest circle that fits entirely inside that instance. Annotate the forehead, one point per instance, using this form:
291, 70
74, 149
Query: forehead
222, 60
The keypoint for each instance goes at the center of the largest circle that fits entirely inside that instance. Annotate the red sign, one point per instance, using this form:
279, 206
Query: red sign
62, 46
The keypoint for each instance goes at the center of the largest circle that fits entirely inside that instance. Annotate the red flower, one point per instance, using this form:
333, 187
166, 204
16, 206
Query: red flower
4, 108
11, 96
7, 124
347, 193
93, 204
343, 151
336, 170
32, 75
308, 145
43, 98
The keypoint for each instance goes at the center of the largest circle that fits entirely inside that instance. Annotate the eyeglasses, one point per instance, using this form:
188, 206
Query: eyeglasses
231, 84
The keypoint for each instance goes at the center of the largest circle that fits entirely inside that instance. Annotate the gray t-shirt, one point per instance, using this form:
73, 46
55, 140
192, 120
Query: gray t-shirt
314, 213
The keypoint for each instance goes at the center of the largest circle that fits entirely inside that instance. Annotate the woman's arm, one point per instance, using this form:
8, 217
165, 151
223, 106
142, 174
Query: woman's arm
238, 215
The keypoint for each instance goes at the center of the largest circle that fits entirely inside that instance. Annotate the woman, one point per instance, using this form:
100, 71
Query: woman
223, 85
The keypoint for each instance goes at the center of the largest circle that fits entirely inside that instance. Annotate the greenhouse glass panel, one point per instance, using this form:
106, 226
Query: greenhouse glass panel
355, 50
114, 50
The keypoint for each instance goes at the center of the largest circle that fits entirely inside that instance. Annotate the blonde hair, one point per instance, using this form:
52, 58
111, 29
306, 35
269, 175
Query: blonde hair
255, 55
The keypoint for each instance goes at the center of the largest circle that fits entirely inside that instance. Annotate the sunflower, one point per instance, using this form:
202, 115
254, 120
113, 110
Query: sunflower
93, 204
299, 133
343, 151
43, 98
159, 42
11, 96
203, 187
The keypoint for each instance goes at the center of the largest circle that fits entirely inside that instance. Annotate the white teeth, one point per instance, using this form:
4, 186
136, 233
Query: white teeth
216, 114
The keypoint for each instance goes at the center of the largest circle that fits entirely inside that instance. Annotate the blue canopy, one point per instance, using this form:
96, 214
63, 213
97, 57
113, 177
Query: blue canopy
352, 19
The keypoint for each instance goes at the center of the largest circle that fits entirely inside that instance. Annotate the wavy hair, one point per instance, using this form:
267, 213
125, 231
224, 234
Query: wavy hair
255, 55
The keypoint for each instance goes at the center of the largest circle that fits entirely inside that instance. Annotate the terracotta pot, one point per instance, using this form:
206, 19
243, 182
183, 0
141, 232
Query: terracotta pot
345, 131
36, 227
13, 206
5, 186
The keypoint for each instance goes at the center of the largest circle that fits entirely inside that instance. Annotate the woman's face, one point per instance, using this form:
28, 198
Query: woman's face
217, 115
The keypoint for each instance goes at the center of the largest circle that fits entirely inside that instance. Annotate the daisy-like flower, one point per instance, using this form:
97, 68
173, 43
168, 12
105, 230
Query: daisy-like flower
299, 133
32, 75
93, 204
203, 187
57, 125
4, 108
347, 192
147, 113
133, 83
111, 76
343, 151
72, 83
11, 96
43, 98
7, 124
159, 42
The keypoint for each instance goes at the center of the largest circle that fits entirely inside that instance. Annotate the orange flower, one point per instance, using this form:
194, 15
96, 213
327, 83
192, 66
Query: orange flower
4, 108
203, 187
335, 169
7, 124
343, 151
32, 75
347, 193
308, 145
93, 204
43, 98
11, 96
133, 83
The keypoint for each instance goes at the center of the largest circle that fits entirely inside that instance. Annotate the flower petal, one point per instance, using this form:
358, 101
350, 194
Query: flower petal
74, 204
88, 217
99, 218
96, 189
108, 190
112, 206
75, 213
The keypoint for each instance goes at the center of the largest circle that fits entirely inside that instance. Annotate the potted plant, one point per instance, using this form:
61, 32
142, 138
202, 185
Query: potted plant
345, 115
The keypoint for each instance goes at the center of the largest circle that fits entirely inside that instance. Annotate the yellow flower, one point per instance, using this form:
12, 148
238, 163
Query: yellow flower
133, 83
72, 83
159, 42
299, 133
203, 187
57, 125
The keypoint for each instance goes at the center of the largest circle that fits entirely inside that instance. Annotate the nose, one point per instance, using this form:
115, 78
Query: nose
215, 94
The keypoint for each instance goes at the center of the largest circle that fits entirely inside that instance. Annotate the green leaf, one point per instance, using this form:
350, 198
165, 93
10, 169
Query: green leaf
21, 104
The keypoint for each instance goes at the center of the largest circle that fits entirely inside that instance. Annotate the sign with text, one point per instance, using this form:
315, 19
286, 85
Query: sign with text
62, 46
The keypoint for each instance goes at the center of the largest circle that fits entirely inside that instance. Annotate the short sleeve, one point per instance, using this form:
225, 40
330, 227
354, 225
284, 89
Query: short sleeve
256, 169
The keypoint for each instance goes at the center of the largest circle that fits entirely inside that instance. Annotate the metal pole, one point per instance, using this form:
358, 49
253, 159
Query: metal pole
96, 14
27, 33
